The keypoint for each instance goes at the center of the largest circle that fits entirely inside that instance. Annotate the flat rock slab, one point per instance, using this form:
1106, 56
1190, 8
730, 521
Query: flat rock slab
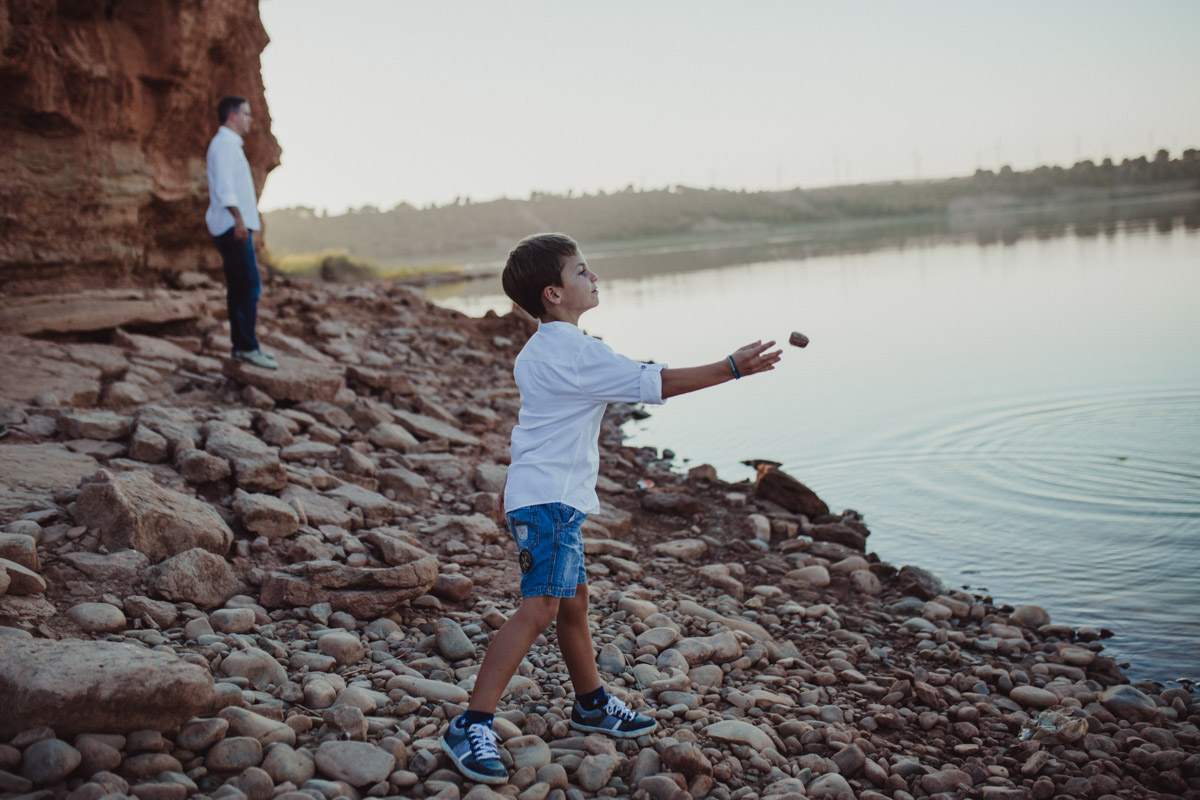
360, 591
298, 380
97, 311
77, 686
424, 427
31, 367
31, 472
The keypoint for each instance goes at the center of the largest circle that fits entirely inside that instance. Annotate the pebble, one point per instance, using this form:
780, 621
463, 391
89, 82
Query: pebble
232, 620
595, 771
49, 761
245, 723
429, 689
452, 643
96, 755
285, 764
198, 735
1129, 703
97, 617
255, 665
1033, 697
234, 754
357, 763
830, 786
529, 750
739, 732
345, 648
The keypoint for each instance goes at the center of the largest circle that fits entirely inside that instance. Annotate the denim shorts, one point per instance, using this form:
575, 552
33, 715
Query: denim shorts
551, 549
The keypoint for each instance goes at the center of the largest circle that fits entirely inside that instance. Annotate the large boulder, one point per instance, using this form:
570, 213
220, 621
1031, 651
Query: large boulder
132, 511
77, 686
782, 489
194, 576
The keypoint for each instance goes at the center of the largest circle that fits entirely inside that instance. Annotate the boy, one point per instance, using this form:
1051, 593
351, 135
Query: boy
566, 379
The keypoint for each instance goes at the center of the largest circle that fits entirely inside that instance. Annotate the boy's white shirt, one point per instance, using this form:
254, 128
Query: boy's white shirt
567, 379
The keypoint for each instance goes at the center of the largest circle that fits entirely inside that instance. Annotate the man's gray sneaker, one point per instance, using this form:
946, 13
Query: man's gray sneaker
256, 358
614, 719
473, 751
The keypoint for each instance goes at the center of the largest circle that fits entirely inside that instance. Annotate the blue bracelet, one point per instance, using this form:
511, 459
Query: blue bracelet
736, 375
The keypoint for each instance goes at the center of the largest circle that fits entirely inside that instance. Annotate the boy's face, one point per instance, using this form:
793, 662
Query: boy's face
578, 292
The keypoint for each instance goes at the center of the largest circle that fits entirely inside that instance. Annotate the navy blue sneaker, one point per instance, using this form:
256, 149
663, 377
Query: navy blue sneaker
615, 719
473, 751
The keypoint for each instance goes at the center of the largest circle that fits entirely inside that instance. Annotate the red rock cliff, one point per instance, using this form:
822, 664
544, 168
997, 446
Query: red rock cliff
106, 110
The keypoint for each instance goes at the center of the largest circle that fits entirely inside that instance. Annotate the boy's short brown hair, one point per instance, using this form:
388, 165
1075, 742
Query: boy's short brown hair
535, 263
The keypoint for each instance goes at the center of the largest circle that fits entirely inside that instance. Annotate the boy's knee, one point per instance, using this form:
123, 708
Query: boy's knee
543, 610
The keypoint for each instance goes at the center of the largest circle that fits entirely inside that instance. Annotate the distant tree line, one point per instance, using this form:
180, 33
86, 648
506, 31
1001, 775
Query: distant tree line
406, 232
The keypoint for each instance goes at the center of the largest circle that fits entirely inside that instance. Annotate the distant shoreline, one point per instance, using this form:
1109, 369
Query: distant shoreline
1084, 214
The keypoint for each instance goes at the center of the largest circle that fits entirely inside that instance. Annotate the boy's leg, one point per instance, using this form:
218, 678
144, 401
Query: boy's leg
594, 711
469, 739
510, 644
575, 641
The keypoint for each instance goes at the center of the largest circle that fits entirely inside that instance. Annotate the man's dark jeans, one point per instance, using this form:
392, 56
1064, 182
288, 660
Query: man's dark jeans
242, 288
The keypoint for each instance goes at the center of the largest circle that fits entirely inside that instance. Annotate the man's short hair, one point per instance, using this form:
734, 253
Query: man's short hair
229, 104
535, 263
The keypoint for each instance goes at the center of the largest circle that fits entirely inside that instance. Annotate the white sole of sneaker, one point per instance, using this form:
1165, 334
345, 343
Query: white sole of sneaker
610, 732
478, 777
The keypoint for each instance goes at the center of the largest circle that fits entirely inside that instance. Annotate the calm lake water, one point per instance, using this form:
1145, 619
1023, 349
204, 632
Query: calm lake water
1019, 413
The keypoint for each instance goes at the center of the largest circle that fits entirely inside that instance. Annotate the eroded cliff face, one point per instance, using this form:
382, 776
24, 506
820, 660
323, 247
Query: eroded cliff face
106, 110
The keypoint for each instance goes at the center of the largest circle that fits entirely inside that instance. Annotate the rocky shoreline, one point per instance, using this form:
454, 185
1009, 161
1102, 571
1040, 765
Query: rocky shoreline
225, 582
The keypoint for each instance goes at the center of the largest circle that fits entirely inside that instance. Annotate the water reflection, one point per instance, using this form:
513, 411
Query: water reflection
692, 252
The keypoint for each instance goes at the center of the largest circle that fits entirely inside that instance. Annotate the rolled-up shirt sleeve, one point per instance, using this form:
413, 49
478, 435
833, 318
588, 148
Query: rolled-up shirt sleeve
606, 376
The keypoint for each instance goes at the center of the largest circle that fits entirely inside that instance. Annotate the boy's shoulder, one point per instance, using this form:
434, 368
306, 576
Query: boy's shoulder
560, 343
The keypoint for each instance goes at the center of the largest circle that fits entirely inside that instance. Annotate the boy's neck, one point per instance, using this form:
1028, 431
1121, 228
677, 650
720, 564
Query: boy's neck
552, 317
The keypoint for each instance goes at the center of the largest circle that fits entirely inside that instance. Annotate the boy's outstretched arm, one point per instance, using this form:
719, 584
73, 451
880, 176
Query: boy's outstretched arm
749, 360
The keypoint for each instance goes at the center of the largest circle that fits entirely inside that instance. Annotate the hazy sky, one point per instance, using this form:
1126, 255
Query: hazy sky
386, 101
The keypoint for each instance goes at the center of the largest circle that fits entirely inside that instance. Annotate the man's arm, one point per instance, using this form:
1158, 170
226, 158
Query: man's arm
750, 360
224, 173
239, 226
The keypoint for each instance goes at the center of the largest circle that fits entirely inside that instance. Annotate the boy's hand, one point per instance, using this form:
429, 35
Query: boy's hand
754, 358
498, 504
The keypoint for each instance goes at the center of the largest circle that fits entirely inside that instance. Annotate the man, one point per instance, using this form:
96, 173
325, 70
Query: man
232, 216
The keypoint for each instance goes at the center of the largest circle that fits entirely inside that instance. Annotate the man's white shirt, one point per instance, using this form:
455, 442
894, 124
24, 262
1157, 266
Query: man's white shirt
567, 379
229, 184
